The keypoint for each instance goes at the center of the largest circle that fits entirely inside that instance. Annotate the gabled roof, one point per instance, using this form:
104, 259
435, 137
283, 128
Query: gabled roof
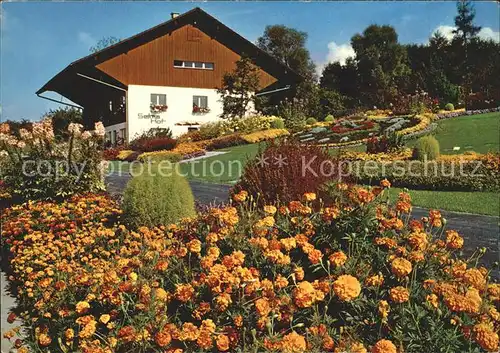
196, 17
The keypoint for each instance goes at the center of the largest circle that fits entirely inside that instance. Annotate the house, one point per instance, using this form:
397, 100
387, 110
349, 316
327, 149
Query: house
166, 76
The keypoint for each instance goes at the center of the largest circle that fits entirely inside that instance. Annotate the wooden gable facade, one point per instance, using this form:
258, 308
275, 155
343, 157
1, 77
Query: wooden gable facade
153, 63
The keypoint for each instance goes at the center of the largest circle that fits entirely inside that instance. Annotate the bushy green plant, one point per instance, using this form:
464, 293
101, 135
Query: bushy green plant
329, 118
277, 123
449, 107
293, 114
311, 121
152, 199
427, 147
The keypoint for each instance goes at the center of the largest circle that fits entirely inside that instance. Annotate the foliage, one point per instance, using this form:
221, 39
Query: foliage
61, 118
238, 88
427, 148
311, 121
37, 167
462, 174
464, 21
353, 275
153, 144
225, 142
293, 113
264, 135
127, 155
329, 118
279, 171
104, 43
182, 151
111, 154
386, 143
153, 199
449, 107
277, 124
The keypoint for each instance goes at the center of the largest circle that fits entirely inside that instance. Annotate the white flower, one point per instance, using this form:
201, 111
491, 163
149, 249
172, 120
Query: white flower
21, 144
86, 135
75, 129
99, 129
25, 134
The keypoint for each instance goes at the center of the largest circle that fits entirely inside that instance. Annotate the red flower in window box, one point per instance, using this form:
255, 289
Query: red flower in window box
200, 110
158, 108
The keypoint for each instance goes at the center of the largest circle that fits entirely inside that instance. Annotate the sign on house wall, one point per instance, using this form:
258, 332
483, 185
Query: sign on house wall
153, 118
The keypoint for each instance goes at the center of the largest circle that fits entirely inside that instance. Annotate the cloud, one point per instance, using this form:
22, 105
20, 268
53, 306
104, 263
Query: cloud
485, 33
86, 39
336, 52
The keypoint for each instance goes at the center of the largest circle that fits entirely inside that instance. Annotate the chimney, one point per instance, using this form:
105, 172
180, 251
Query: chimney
174, 14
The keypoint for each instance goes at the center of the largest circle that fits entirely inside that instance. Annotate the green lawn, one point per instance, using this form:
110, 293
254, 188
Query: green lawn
487, 203
478, 133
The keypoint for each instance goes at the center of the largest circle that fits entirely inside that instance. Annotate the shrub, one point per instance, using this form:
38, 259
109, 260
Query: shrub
329, 118
182, 151
277, 123
225, 142
449, 107
427, 147
289, 179
355, 276
311, 121
146, 144
154, 200
111, 154
264, 135
38, 167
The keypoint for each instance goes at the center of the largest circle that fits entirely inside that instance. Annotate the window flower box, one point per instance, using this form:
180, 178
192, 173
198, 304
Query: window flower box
158, 108
200, 110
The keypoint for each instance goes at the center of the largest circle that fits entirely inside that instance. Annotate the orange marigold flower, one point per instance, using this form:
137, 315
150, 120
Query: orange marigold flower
223, 301
238, 321
418, 240
241, 196
82, 307
269, 209
306, 295
338, 258
104, 318
126, 334
222, 343
401, 267
293, 343
299, 274
315, 256
432, 299
262, 306
475, 278
44, 339
374, 281
385, 183
384, 346
163, 338
184, 292
399, 294
347, 287
69, 334
358, 347
453, 240
485, 336
189, 332
194, 246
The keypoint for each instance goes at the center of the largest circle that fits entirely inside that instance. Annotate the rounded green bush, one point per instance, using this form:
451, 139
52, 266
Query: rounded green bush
427, 148
151, 199
449, 107
277, 124
329, 118
311, 121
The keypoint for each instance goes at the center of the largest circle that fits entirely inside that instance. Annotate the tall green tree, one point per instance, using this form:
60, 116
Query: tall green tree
465, 28
382, 65
238, 89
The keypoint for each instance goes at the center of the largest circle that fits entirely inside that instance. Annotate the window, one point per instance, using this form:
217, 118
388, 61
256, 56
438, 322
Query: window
192, 128
114, 137
123, 134
110, 106
158, 99
193, 65
200, 101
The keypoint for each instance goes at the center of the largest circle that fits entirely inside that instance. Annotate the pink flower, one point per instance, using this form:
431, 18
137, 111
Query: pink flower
99, 129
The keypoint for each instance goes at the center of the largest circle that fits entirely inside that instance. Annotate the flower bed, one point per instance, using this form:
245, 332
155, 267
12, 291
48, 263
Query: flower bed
285, 278
182, 151
455, 114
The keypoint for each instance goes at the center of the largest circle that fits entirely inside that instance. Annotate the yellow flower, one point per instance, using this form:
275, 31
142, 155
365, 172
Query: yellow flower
44, 339
184, 292
347, 287
399, 295
241, 196
401, 267
82, 307
383, 309
222, 343
104, 318
309, 196
271, 210
432, 299
306, 295
385, 183
262, 306
384, 346
474, 277
374, 281
453, 240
